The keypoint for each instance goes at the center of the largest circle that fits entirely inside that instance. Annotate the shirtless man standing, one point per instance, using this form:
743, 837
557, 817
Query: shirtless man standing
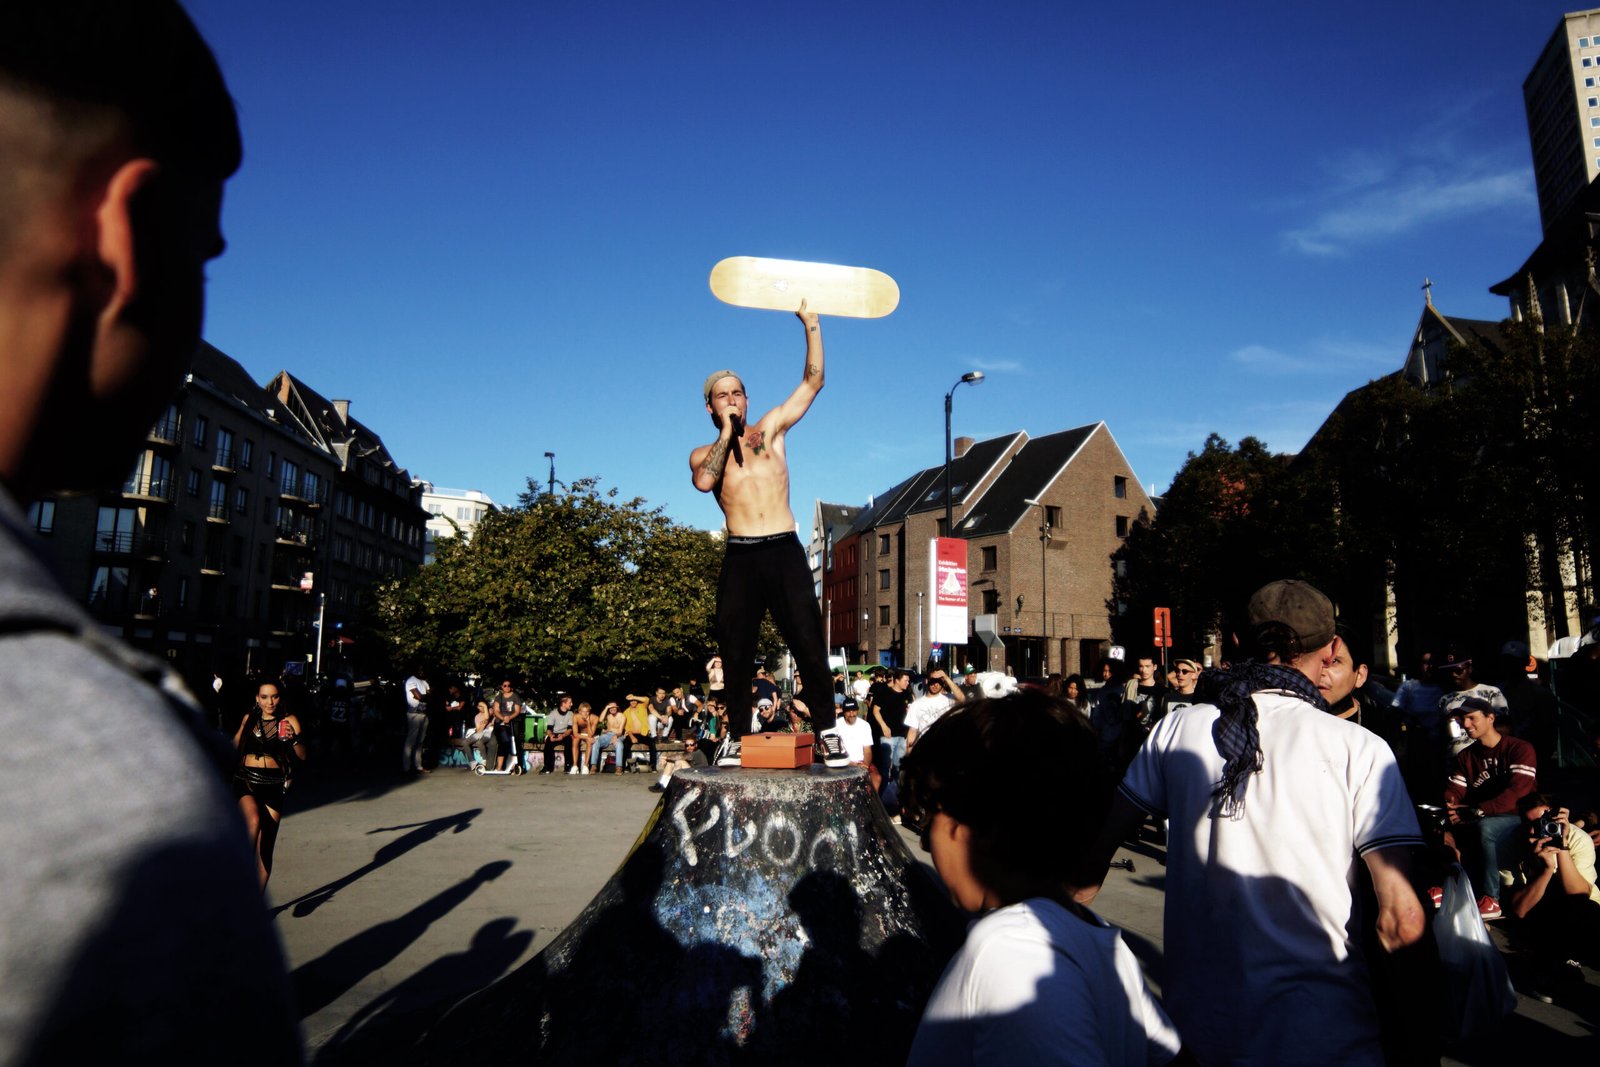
765, 566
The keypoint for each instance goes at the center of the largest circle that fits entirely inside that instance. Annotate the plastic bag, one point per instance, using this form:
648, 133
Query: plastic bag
1478, 992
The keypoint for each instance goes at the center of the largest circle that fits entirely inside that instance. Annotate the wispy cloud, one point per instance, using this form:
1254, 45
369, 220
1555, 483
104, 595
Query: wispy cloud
998, 366
1442, 168
1384, 204
1317, 356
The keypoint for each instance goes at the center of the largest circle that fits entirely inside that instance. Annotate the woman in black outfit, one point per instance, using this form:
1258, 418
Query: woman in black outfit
268, 745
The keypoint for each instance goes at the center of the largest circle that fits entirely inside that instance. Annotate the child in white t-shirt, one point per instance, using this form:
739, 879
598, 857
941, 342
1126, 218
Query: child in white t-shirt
1040, 978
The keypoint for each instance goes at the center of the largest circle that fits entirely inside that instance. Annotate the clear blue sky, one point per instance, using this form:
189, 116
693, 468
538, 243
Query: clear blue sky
489, 224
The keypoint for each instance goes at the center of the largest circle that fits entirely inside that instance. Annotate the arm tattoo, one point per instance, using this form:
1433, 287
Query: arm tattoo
812, 370
716, 460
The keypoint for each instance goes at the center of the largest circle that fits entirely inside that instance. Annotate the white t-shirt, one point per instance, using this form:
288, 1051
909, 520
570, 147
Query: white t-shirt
856, 738
420, 686
1034, 984
925, 711
1260, 967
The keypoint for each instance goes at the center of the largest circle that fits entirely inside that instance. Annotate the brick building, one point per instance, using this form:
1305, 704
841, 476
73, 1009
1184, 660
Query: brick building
1035, 605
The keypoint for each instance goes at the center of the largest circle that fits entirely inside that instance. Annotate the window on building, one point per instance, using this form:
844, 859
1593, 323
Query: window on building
1122, 526
108, 589
42, 517
883, 615
219, 500
191, 484
1588, 62
883, 544
114, 528
272, 463
433, 509
991, 557
991, 601
224, 453
1122, 568
1588, 83
183, 592
1594, 101
202, 426
247, 453
290, 479
241, 500
186, 538
1119, 487
1052, 516
883, 579
1583, 42
944, 531
313, 483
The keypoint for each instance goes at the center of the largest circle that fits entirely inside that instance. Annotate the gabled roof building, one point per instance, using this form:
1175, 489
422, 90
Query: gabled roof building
1039, 575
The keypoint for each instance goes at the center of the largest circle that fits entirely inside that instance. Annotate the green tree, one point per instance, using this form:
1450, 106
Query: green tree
578, 590
1214, 539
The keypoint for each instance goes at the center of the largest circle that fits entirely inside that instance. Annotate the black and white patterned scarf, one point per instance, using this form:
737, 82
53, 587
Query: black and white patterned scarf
1235, 733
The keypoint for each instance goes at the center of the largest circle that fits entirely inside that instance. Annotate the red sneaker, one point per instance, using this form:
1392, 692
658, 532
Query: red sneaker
1489, 908
1436, 894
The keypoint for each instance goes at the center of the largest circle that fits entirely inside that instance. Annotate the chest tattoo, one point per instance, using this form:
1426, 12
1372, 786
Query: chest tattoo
755, 441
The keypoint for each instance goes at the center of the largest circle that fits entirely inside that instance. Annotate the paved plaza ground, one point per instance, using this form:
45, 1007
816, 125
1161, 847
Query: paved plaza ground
396, 897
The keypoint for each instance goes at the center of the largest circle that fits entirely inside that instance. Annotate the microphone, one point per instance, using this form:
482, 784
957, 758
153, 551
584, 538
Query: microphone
738, 432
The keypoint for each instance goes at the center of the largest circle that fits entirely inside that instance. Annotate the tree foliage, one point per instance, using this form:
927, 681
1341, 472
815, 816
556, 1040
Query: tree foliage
578, 590
1454, 500
1213, 536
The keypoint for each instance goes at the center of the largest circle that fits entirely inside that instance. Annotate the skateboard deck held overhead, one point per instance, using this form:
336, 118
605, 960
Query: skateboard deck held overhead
828, 289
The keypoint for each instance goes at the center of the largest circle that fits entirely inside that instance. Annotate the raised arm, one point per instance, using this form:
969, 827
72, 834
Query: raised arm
790, 411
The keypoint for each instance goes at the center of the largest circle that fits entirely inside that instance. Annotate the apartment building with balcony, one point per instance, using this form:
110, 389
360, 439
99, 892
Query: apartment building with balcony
214, 551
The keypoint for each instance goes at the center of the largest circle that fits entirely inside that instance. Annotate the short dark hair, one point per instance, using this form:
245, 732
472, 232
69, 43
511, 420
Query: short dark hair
1028, 829
1529, 801
140, 65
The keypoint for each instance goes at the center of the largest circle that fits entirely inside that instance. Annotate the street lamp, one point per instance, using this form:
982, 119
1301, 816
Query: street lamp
551, 456
1044, 589
972, 377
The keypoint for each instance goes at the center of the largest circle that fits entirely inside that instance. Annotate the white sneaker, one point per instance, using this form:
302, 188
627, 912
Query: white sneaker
833, 753
585, 768
728, 754
574, 770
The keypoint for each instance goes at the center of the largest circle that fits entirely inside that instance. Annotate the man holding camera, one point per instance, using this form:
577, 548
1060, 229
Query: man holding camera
1553, 889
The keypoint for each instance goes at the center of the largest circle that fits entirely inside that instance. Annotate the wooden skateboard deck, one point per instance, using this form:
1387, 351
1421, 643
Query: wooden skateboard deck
828, 289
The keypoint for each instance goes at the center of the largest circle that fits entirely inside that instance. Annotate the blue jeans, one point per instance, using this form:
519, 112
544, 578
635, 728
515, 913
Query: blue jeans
895, 751
601, 743
1486, 846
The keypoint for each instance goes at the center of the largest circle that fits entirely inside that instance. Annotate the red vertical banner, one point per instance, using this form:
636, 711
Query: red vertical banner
1163, 628
947, 577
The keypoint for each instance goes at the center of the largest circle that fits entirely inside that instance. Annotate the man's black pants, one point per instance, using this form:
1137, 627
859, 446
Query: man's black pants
761, 574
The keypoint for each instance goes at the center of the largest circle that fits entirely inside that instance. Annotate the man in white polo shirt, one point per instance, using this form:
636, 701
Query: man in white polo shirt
1271, 800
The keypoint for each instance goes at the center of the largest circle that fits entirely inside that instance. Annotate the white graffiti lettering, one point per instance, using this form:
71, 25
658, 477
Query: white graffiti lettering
781, 840
687, 833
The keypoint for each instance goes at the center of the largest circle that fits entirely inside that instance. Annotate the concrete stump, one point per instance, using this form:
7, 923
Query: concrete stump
762, 917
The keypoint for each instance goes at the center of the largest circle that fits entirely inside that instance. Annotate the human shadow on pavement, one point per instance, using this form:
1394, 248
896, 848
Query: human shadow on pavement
421, 833
319, 982
387, 1028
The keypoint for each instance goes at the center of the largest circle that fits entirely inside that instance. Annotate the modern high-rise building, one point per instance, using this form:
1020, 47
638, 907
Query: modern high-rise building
1562, 97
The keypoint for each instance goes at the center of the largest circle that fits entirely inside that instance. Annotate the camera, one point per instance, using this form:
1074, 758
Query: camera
1553, 829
